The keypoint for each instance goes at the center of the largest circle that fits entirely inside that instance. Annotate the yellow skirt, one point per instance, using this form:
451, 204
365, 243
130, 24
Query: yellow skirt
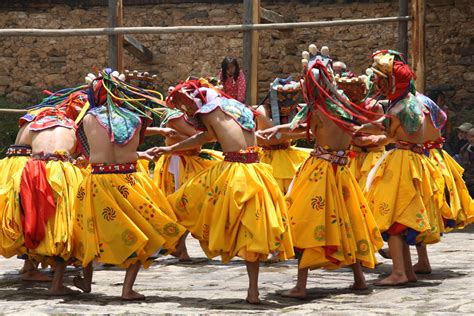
363, 162
331, 223
122, 219
11, 236
456, 205
64, 179
402, 190
142, 166
171, 171
285, 163
235, 209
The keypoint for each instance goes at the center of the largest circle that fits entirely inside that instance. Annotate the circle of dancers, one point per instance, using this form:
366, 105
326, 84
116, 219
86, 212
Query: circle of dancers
75, 190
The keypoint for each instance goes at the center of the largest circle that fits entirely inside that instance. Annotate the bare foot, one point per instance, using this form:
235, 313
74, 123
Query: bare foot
62, 291
35, 276
359, 286
295, 292
81, 284
133, 296
385, 253
393, 280
184, 257
252, 298
274, 258
420, 268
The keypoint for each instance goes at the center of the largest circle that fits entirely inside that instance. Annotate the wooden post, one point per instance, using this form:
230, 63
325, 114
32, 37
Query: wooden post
403, 28
251, 16
418, 43
115, 50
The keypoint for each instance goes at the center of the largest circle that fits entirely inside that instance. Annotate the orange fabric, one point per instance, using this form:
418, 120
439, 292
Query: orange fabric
396, 229
37, 202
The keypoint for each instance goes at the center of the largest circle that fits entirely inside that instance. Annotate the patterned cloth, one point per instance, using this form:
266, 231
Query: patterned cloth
122, 219
363, 161
285, 163
235, 209
331, 224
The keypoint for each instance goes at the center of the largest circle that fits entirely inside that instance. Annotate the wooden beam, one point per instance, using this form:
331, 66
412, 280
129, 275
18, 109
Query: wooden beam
115, 47
403, 28
418, 43
251, 16
137, 49
193, 29
269, 16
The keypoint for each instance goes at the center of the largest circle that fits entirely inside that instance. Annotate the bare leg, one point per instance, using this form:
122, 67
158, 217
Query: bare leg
127, 291
85, 283
30, 272
359, 278
252, 271
57, 286
398, 276
181, 251
299, 291
410, 273
423, 265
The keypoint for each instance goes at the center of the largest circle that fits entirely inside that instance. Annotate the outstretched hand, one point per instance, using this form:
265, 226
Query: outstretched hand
268, 133
157, 152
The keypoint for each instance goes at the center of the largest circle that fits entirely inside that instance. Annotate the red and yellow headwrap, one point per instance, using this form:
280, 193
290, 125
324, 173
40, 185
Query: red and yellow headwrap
392, 66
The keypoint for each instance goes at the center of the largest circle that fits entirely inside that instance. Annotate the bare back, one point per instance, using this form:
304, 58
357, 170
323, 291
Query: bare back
426, 132
327, 133
182, 127
228, 132
54, 139
24, 136
102, 150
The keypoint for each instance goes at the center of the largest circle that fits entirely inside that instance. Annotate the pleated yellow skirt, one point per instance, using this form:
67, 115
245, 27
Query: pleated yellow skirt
235, 209
330, 221
284, 162
402, 190
122, 219
171, 171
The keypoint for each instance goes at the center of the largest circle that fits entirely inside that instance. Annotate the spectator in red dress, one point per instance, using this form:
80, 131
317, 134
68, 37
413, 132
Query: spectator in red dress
233, 79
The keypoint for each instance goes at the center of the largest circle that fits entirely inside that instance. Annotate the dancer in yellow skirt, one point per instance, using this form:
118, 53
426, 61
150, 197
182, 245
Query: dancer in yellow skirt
234, 208
11, 237
122, 218
171, 171
402, 188
278, 153
331, 224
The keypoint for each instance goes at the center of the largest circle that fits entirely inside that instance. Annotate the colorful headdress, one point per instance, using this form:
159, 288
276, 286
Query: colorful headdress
284, 95
392, 66
322, 91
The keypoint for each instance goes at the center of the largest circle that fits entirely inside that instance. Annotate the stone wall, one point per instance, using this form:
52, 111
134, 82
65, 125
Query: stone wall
28, 64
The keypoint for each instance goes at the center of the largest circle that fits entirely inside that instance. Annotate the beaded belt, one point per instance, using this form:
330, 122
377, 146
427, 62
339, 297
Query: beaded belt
435, 144
245, 157
416, 148
18, 150
102, 168
52, 156
192, 152
338, 158
276, 147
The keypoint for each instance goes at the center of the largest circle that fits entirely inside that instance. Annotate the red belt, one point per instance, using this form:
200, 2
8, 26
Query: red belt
245, 157
435, 144
103, 168
18, 150
416, 148
51, 156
